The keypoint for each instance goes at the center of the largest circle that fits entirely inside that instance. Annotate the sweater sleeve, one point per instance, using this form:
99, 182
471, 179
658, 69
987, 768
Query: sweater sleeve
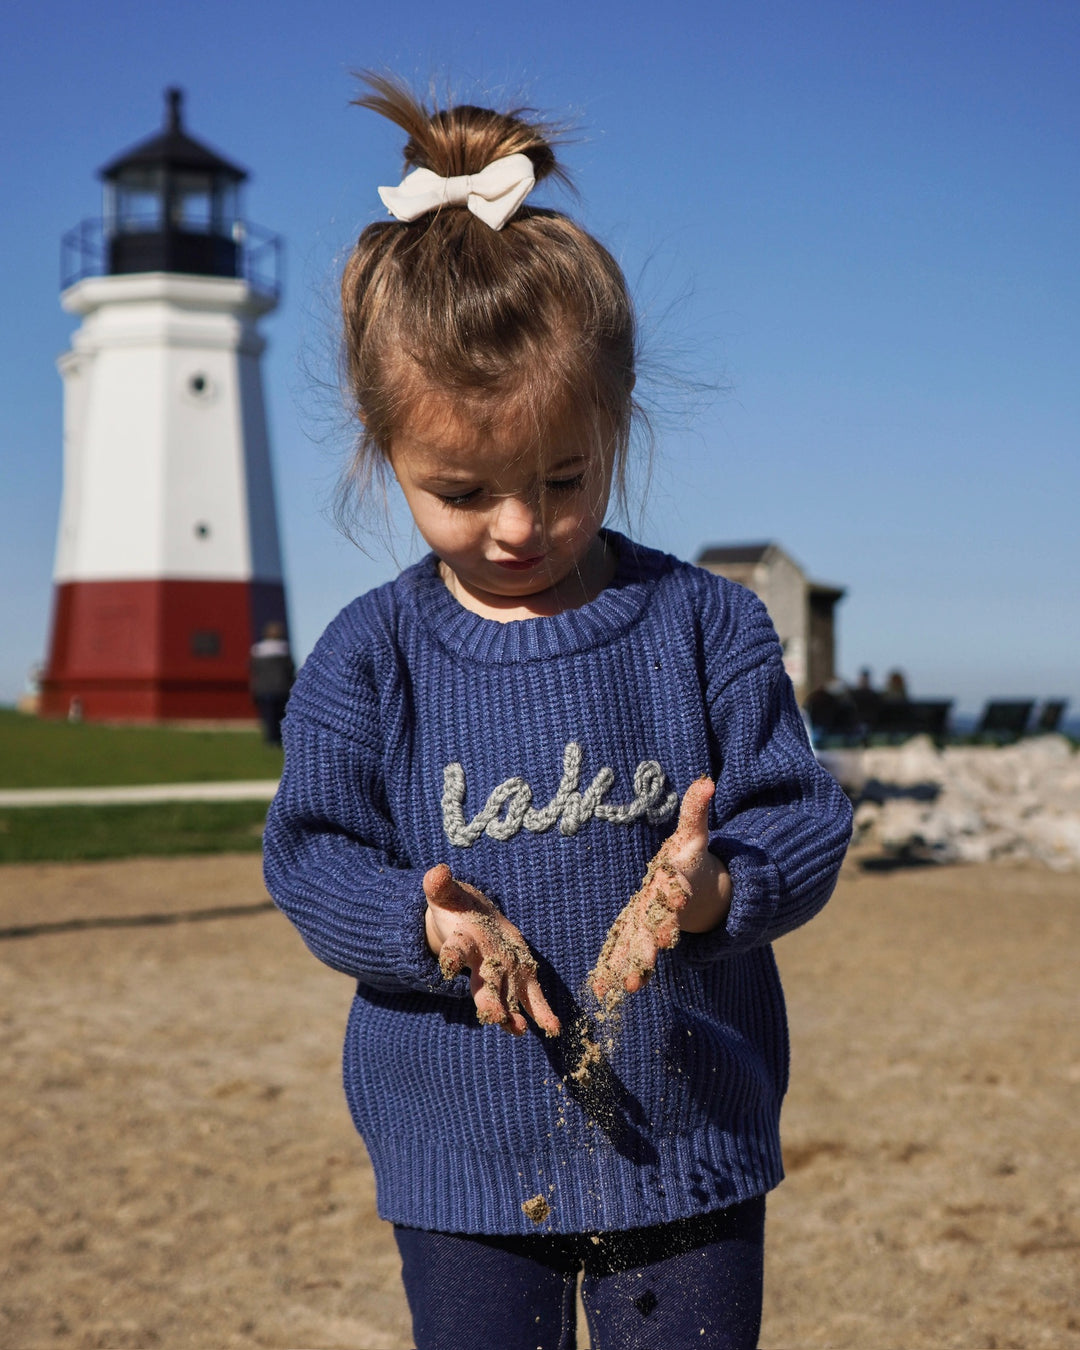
331, 855
781, 822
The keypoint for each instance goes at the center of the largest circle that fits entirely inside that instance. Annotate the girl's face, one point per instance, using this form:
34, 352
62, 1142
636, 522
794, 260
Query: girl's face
514, 522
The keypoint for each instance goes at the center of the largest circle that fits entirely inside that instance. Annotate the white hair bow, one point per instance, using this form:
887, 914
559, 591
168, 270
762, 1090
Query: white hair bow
493, 194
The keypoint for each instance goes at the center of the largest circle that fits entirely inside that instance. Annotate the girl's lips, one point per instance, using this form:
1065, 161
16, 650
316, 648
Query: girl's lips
521, 565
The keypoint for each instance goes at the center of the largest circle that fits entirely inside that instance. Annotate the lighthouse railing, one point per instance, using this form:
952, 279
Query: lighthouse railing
262, 257
256, 254
82, 252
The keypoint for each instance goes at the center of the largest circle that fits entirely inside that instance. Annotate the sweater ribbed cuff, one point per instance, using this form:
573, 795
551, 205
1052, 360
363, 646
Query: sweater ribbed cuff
406, 944
755, 897
407, 950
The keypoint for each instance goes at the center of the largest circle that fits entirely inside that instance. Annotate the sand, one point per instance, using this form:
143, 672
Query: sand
536, 1208
179, 1169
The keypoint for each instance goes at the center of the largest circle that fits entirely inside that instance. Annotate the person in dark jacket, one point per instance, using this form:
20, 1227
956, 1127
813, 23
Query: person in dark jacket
272, 675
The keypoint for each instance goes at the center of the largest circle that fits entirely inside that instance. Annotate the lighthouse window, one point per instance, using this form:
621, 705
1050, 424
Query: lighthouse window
205, 642
200, 385
192, 201
133, 205
202, 530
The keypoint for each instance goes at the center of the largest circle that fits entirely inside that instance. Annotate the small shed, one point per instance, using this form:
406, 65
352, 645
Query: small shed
802, 610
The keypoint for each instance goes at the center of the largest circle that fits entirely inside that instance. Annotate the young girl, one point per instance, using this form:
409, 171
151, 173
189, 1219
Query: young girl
542, 766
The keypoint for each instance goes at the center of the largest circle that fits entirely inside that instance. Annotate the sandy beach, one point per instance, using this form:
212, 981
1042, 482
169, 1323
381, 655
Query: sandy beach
179, 1169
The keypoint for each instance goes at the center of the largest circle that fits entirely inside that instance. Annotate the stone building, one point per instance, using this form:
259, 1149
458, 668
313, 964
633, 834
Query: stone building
802, 610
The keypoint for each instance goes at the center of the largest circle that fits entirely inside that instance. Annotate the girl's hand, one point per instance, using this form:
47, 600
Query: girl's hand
465, 929
686, 889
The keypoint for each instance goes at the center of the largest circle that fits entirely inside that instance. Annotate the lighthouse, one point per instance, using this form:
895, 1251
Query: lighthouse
168, 565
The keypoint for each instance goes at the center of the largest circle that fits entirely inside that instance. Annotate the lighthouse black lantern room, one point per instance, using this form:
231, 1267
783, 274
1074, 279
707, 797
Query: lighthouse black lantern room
172, 205
167, 560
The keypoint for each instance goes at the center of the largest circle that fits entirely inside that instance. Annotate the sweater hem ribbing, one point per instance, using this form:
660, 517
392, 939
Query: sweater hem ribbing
426, 1184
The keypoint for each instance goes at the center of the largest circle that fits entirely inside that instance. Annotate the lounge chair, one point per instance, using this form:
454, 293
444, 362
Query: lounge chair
1004, 720
1050, 715
899, 719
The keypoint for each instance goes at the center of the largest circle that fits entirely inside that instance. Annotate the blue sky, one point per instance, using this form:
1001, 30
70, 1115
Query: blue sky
856, 222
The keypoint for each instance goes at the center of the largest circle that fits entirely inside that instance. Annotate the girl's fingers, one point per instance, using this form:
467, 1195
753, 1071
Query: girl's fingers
490, 1008
493, 1010
674, 896
635, 980
502, 974
616, 971
619, 961
667, 934
538, 1008
443, 891
692, 832
505, 980
454, 956
641, 960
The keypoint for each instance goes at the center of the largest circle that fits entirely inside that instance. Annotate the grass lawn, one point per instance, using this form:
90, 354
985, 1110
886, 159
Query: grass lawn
35, 752
78, 833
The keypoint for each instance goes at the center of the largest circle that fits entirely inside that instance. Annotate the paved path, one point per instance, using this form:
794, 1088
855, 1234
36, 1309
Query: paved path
249, 791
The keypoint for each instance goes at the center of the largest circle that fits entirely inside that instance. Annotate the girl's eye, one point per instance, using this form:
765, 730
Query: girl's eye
474, 496
461, 498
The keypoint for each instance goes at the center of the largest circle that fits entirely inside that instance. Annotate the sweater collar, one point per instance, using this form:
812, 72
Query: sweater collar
490, 641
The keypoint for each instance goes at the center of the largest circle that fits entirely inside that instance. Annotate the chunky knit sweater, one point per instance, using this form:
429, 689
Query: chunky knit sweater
544, 761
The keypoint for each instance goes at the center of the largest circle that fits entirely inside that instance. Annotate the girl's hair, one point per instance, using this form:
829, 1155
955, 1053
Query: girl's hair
536, 315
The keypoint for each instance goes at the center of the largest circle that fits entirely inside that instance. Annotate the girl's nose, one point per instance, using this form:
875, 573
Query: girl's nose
516, 523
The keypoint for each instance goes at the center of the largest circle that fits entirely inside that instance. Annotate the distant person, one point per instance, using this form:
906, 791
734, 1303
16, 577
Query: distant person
829, 709
832, 709
272, 675
543, 748
820, 707
866, 701
895, 690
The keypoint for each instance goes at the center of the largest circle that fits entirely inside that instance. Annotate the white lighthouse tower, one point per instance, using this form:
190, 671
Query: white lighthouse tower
167, 561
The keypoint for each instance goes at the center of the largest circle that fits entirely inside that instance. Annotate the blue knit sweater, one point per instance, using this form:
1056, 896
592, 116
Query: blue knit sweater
543, 760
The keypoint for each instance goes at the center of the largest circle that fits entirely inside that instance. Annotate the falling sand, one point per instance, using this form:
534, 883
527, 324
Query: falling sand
590, 1055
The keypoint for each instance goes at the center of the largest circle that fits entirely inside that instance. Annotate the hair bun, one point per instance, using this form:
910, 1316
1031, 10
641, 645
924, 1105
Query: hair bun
459, 140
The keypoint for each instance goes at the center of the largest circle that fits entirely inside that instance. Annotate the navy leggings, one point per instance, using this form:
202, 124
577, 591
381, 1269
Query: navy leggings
690, 1285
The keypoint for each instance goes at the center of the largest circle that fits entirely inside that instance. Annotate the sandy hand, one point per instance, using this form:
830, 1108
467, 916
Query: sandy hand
465, 930
685, 888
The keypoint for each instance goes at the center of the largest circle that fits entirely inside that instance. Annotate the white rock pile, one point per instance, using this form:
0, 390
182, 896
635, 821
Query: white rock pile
966, 803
